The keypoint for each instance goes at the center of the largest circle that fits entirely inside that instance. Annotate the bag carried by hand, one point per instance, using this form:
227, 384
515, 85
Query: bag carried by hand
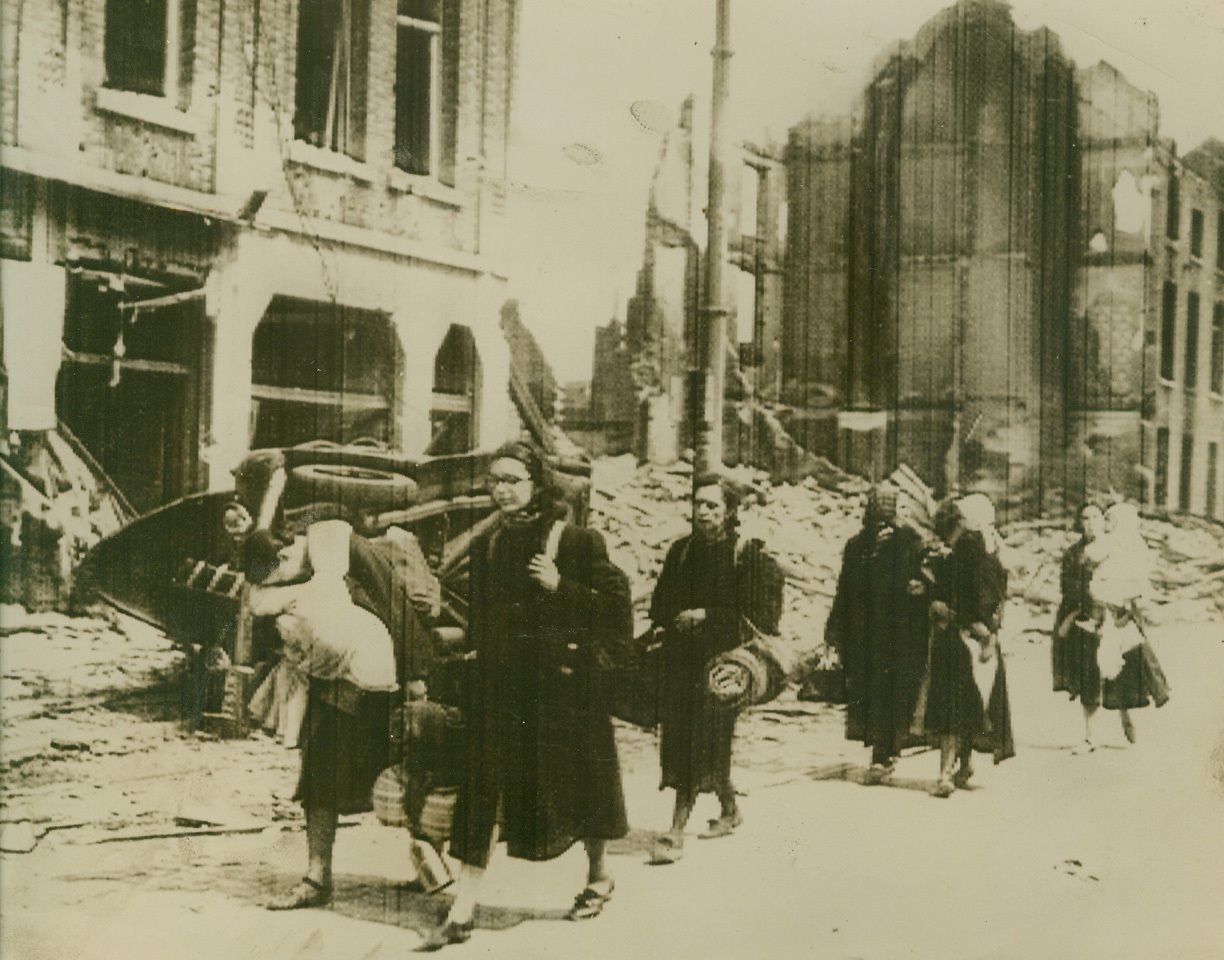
1117, 639
634, 685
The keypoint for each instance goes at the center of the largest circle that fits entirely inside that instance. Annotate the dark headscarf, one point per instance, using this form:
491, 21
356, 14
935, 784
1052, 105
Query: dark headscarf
881, 509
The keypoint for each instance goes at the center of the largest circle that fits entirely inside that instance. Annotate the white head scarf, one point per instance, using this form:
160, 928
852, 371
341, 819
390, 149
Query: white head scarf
978, 514
1125, 572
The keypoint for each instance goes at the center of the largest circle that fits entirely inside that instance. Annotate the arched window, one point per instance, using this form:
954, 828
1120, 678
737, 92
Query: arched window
456, 394
324, 372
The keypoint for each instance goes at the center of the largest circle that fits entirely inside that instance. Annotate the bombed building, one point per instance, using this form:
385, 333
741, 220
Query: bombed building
232, 224
660, 351
998, 272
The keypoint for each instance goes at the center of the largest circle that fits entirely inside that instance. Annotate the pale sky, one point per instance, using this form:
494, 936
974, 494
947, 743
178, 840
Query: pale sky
581, 162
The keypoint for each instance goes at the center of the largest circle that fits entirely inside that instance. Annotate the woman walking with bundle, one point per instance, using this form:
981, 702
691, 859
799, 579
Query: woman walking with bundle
1073, 652
711, 586
542, 770
879, 626
964, 705
1129, 674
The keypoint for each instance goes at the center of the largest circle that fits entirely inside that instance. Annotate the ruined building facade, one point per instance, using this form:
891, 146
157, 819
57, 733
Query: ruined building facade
240, 223
999, 273
660, 345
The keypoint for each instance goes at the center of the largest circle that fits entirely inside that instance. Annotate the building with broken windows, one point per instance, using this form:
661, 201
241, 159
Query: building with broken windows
659, 349
998, 272
231, 224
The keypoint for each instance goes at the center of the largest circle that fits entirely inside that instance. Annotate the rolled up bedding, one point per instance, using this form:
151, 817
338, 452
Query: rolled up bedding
751, 674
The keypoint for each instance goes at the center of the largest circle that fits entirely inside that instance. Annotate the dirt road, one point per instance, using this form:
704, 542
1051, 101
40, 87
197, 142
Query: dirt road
1119, 854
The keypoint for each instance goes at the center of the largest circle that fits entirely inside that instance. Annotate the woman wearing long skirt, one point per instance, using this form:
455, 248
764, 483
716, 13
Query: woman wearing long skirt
1073, 651
964, 704
879, 626
711, 586
1131, 675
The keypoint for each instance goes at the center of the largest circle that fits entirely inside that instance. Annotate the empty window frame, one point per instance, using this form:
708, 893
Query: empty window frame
324, 372
418, 57
1168, 330
454, 418
1192, 338
149, 45
1187, 472
1162, 466
1217, 349
1196, 233
1220, 240
332, 55
1173, 212
1213, 477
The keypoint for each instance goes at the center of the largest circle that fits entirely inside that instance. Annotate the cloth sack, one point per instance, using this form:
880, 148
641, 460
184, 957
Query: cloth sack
325, 634
1117, 639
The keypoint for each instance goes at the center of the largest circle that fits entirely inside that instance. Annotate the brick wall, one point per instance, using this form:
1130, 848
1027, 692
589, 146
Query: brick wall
230, 130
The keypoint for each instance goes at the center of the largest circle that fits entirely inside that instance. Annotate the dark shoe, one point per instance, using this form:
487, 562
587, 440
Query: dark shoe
308, 893
944, 789
590, 903
724, 826
1128, 727
444, 936
963, 775
666, 850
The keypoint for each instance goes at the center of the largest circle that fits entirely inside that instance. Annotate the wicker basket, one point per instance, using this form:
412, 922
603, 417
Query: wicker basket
436, 816
388, 798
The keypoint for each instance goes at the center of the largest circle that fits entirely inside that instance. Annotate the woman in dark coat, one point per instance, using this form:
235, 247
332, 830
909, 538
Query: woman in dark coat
542, 763
964, 705
710, 583
879, 626
1073, 651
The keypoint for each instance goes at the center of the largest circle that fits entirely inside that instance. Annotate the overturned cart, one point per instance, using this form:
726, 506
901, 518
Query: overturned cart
177, 567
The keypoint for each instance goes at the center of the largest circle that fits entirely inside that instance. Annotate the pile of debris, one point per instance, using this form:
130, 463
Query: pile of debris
642, 510
1187, 576
55, 504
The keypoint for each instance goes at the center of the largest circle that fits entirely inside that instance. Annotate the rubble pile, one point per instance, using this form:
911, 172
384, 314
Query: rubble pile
63, 675
55, 504
1187, 574
641, 510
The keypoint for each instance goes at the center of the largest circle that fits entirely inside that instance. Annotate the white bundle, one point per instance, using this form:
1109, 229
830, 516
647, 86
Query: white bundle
324, 632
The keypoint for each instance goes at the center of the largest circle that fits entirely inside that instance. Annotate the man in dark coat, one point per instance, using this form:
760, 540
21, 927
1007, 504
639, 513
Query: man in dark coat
711, 585
879, 626
542, 771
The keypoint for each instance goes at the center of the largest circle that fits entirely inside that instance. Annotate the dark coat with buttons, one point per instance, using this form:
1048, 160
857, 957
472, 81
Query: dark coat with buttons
540, 739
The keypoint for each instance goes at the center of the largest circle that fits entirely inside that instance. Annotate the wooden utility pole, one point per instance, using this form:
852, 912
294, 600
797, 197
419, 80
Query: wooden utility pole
713, 322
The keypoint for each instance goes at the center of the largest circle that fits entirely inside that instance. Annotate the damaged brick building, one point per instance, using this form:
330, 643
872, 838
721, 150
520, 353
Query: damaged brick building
998, 272
239, 223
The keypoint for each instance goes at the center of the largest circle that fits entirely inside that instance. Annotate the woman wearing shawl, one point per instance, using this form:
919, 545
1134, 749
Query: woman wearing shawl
964, 703
879, 626
542, 770
345, 733
1130, 675
1073, 651
710, 585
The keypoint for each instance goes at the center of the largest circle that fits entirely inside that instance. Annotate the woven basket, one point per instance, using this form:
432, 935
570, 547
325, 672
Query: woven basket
436, 816
388, 798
